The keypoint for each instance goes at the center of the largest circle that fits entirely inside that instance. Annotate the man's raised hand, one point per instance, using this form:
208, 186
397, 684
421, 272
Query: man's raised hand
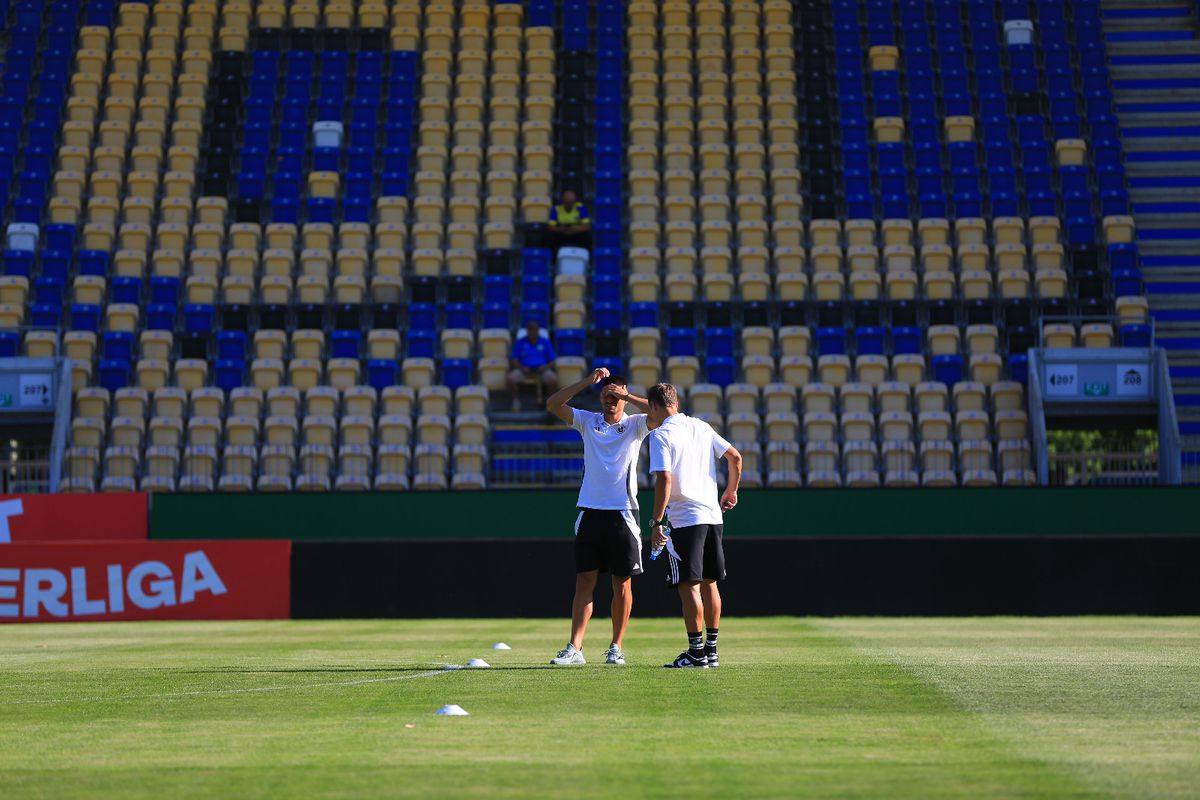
599, 374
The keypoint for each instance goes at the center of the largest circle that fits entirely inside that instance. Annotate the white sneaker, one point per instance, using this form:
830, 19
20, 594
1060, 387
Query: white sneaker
613, 655
568, 655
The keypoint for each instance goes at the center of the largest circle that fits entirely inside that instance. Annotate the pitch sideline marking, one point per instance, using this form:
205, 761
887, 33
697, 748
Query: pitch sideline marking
447, 668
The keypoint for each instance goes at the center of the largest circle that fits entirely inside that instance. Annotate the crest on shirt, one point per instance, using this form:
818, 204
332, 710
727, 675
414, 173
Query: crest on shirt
620, 429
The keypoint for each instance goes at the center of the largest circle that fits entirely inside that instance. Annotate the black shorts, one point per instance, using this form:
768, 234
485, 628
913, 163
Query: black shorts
608, 541
695, 553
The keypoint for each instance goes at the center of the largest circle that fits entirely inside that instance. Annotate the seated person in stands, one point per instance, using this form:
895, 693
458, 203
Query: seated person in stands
532, 359
570, 225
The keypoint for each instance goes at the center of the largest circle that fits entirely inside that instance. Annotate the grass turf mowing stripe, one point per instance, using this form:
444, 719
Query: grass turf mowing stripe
796, 710
1108, 700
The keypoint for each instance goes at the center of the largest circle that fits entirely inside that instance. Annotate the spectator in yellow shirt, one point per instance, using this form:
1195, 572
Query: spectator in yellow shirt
570, 225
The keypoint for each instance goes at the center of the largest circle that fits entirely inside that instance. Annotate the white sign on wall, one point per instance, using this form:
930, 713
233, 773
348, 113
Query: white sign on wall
1062, 380
1133, 380
34, 390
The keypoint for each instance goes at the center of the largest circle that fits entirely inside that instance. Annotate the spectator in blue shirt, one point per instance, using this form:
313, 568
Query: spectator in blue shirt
532, 359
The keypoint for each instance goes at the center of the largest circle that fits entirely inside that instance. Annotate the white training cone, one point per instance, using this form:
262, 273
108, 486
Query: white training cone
451, 711
501, 646
478, 662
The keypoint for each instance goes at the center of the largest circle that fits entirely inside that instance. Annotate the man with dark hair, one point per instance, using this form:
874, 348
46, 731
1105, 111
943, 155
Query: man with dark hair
570, 225
607, 537
683, 459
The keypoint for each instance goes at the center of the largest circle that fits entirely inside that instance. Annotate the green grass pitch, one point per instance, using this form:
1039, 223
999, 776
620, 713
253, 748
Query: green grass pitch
873, 708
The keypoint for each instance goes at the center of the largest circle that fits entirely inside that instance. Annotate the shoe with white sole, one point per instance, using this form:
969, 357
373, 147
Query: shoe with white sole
568, 656
613, 655
687, 660
711, 654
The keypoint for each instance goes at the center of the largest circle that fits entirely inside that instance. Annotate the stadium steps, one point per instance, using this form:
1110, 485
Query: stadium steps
1155, 67
543, 453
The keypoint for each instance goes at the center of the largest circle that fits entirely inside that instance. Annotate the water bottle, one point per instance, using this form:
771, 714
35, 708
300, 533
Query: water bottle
655, 552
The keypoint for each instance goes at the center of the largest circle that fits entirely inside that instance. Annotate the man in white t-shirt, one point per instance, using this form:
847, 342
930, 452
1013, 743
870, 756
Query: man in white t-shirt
683, 460
607, 537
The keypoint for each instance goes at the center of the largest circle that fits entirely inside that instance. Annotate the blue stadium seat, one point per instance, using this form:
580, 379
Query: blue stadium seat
231, 345
720, 370
10, 344
118, 345
456, 372
948, 369
229, 373
382, 373
114, 375
198, 318
570, 341
831, 341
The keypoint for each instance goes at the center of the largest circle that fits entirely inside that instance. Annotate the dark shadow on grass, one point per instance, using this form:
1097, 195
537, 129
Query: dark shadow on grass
305, 670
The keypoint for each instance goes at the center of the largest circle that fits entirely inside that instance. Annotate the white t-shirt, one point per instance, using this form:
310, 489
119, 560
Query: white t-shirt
610, 455
688, 448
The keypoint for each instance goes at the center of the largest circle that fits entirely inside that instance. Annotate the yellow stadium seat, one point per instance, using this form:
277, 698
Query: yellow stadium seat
821, 457
759, 370
943, 339
1013, 284
986, 368
645, 370
820, 426
860, 459
434, 400
92, 402
680, 288
87, 432
930, 396
969, 396
937, 455
343, 373
982, 339
1058, 335
972, 425
834, 369
871, 370
471, 400
1132, 310
857, 426
795, 370
151, 374
974, 455
778, 397
741, 427
683, 371
1096, 335
471, 429
1050, 283
859, 397
893, 396
818, 397
190, 373
705, 398
1012, 425
1013, 454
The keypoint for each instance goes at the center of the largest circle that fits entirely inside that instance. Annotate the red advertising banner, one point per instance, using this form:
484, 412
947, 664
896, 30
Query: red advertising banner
80, 582
73, 517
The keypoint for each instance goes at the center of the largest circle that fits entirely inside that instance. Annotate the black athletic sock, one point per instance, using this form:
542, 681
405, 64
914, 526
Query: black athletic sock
696, 644
711, 643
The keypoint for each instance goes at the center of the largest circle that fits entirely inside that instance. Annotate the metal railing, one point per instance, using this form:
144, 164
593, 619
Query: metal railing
1189, 460
26, 467
1104, 468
